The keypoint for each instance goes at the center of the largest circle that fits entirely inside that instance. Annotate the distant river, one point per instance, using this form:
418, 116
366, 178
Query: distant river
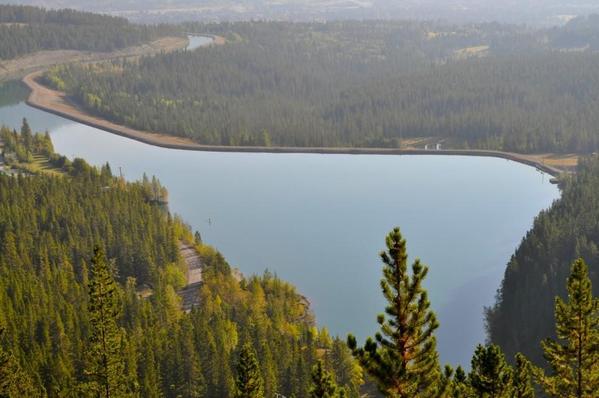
319, 221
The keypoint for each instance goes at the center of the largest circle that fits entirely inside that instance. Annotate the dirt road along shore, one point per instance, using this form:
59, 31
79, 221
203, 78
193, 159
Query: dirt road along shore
56, 102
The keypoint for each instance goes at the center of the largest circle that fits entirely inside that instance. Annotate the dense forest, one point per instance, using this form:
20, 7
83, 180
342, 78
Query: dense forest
537, 271
49, 228
25, 30
579, 33
90, 267
11, 93
361, 84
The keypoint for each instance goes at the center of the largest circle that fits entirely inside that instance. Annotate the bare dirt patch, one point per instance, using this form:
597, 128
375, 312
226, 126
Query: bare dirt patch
567, 161
219, 40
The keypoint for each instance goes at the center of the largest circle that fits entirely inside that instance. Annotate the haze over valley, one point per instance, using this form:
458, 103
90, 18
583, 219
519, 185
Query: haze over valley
299, 198
532, 12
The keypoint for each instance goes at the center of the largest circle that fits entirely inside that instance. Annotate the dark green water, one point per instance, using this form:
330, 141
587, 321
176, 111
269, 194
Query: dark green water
319, 221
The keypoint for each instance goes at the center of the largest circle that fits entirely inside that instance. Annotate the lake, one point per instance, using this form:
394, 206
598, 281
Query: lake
196, 42
319, 221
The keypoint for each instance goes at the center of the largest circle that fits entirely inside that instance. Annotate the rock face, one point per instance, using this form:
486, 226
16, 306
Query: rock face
194, 263
190, 296
190, 293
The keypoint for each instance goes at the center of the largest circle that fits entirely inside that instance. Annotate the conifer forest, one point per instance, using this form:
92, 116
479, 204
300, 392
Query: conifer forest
106, 291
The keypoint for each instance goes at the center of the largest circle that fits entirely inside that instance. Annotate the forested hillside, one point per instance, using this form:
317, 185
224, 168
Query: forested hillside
537, 103
55, 296
578, 34
90, 267
25, 30
537, 271
11, 93
362, 84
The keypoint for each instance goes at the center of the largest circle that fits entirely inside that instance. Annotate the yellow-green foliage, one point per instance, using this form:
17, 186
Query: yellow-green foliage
174, 275
48, 227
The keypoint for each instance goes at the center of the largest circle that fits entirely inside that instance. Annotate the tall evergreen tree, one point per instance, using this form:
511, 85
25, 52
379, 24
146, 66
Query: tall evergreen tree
186, 377
574, 357
26, 134
106, 367
522, 384
348, 372
403, 358
459, 385
490, 376
323, 385
14, 382
445, 383
250, 383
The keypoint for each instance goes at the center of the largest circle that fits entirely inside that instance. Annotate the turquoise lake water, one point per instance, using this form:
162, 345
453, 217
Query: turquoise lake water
319, 221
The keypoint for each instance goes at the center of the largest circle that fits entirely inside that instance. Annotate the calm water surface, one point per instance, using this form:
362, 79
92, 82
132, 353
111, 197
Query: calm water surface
319, 221
196, 42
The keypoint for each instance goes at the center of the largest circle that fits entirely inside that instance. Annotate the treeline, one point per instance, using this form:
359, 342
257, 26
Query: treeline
537, 271
580, 33
49, 228
403, 361
366, 84
21, 149
535, 103
12, 92
21, 146
110, 324
266, 85
25, 29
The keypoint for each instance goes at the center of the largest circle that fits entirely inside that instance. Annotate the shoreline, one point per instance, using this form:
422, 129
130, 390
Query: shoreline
57, 103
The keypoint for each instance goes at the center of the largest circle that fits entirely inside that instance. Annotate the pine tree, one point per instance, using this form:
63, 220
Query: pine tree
5, 371
249, 378
323, 385
403, 360
14, 382
106, 367
459, 385
574, 357
445, 383
48, 146
188, 379
522, 378
149, 377
491, 375
348, 372
26, 135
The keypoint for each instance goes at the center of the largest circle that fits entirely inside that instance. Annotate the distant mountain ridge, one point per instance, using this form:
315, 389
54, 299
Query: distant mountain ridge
534, 12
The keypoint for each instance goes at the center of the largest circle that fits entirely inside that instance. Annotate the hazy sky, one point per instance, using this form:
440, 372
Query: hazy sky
535, 12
